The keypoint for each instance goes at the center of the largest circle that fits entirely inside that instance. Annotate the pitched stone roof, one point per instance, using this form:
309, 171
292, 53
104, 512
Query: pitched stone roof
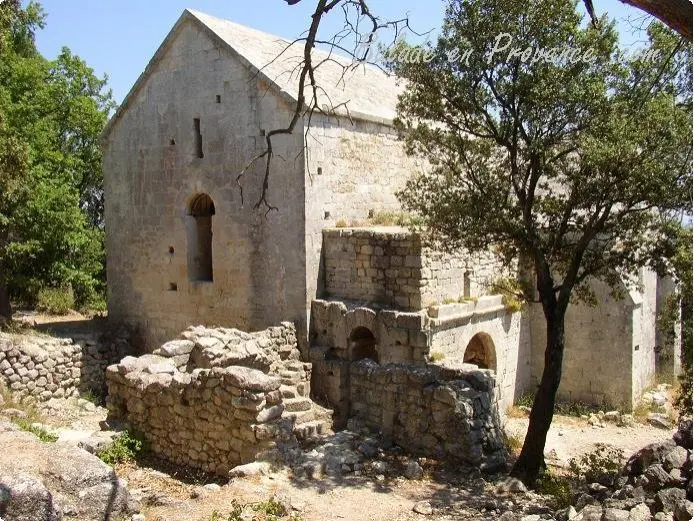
368, 91
364, 92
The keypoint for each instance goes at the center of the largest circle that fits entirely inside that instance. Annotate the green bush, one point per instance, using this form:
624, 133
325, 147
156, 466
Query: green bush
559, 487
602, 465
124, 448
683, 399
56, 301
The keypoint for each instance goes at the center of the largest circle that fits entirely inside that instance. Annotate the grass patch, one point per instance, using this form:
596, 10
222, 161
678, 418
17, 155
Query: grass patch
436, 356
403, 219
450, 300
125, 448
42, 434
514, 444
270, 510
525, 400
98, 399
576, 409
55, 301
341, 223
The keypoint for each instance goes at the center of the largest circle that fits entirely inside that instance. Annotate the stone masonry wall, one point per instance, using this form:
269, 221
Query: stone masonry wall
430, 411
391, 266
45, 368
152, 172
215, 398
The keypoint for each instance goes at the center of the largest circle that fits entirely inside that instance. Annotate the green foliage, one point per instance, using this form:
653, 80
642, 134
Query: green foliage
272, 508
450, 300
559, 487
56, 301
436, 356
525, 400
406, 220
683, 398
125, 447
52, 113
574, 408
602, 465
42, 434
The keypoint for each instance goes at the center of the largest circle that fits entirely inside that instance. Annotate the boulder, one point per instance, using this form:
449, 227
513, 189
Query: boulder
668, 499
675, 459
56, 477
683, 436
658, 477
640, 512
177, 348
650, 454
684, 510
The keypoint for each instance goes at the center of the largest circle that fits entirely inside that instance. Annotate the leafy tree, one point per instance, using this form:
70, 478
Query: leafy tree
575, 165
51, 200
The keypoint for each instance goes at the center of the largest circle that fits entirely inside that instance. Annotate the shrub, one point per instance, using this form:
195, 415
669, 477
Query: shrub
449, 300
124, 448
602, 465
683, 399
525, 400
272, 509
341, 223
56, 301
394, 219
559, 487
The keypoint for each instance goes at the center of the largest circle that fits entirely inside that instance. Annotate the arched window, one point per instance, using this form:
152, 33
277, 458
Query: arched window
480, 351
199, 224
362, 344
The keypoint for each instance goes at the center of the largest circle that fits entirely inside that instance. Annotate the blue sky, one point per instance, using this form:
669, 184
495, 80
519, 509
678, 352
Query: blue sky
119, 37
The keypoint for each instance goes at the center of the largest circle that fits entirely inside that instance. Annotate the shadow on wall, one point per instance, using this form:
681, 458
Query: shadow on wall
480, 351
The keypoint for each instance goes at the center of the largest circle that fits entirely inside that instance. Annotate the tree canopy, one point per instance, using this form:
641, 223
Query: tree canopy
547, 143
51, 200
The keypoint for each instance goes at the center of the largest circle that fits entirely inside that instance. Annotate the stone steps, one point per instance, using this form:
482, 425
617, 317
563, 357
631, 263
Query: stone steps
311, 430
297, 404
288, 392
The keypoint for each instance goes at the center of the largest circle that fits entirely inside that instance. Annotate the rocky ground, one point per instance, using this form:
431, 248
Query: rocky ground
347, 476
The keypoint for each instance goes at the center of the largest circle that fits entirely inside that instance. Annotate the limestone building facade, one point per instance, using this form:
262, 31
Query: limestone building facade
186, 245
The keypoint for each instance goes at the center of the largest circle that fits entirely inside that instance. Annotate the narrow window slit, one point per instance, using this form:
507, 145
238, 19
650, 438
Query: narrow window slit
198, 138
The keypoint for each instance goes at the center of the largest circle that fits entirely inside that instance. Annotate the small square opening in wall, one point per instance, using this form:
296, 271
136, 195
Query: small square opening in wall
371, 214
171, 250
319, 170
262, 132
173, 286
218, 98
326, 216
172, 142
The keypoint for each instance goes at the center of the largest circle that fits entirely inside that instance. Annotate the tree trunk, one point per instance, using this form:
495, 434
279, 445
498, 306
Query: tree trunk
531, 460
5, 305
677, 14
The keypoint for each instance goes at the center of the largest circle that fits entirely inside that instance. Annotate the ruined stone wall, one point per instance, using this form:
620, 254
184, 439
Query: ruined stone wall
390, 266
216, 398
506, 334
45, 368
152, 173
600, 349
353, 168
430, 411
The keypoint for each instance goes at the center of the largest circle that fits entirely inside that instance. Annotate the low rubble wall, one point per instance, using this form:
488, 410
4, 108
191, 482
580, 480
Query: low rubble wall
46, 367
215, 398
431, 411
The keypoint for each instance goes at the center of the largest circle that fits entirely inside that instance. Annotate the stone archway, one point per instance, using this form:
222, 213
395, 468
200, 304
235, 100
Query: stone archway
362, 344
481, 352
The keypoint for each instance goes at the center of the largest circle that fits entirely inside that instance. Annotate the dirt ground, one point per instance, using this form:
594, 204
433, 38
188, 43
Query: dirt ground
379, 498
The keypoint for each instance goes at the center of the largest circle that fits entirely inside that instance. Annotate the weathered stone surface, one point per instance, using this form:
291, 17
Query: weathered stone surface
251, 379
667, 499
650, 454
675, 459
47, 471
684, 510
683, 436
640, 512
177, 347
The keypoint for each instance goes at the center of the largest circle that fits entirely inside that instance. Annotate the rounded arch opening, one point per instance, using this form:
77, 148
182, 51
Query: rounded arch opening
362, 344
481, 352
199, 226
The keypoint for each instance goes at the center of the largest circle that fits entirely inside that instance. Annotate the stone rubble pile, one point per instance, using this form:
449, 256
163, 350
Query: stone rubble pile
656, 483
